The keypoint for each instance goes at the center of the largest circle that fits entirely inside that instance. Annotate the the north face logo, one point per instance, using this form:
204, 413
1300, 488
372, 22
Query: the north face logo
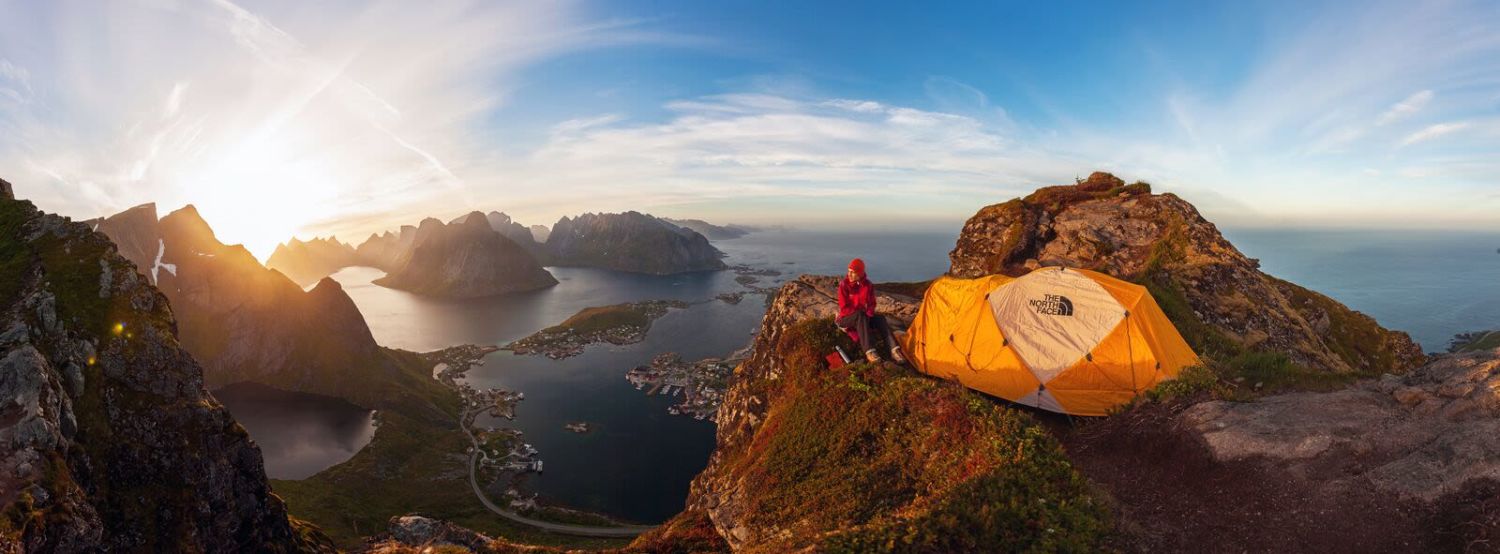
1052, 304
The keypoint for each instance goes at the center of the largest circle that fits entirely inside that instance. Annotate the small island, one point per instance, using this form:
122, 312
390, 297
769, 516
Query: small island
1474, 342
579, 427
617, 324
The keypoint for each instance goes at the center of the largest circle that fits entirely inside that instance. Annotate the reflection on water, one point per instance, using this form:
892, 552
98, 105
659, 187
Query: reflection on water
637, 461
299, 433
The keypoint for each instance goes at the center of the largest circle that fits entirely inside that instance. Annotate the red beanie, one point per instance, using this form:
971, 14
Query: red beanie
857, 265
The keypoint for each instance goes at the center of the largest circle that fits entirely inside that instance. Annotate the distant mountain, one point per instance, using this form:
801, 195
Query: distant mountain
467, 258
108, 440
517, 232
539, 233
713, 232
633, 242
308, 261
387, 251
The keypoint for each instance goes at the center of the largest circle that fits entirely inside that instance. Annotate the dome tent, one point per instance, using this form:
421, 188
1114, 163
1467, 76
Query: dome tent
1066, 340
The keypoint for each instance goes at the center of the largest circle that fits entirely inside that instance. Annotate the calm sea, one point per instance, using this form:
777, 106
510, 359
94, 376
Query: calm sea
638, 461
1431, 284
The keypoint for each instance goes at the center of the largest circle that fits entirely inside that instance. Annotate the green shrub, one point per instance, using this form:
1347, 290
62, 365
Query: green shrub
1190, 382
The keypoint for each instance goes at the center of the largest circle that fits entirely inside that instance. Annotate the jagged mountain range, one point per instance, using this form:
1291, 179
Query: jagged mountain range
246, 323
631, 241
463, 267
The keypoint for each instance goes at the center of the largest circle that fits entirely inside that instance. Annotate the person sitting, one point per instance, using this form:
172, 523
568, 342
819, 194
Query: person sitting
857, 314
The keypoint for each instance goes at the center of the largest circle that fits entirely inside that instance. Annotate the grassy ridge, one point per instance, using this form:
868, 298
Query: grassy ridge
871, 458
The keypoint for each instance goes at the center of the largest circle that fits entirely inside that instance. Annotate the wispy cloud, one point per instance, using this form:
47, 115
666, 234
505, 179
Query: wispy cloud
1434, 131
1405, 108
272, 116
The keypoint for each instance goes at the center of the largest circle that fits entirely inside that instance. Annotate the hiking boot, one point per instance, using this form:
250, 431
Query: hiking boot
872, 356
897, 355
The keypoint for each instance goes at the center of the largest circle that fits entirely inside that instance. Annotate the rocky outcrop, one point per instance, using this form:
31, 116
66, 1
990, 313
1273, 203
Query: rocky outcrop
633, 242
466, 259
108, 440
1417, 436
6, 191
306, 262
863, 457
713, 232
1218, 298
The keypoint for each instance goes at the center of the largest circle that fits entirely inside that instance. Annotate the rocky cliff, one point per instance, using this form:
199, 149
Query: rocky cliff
306, 262
466, 259
108, 440
1218, 298
631, 241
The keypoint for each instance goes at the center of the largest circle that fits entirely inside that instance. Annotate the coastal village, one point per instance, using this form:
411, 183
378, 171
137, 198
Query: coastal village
701, 384
498, 450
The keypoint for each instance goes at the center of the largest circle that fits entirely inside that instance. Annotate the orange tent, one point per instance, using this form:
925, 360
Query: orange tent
1066, 340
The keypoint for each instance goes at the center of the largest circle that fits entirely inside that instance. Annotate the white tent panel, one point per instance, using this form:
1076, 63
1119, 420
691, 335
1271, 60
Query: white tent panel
1053, 318
1042, 399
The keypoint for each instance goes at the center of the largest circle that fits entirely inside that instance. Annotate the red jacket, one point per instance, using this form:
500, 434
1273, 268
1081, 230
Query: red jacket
856, 296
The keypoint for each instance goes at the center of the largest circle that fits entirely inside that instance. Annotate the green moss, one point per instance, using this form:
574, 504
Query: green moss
1190, 382
15, 257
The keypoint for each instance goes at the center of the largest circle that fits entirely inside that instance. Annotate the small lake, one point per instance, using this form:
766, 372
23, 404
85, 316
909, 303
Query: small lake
299, 433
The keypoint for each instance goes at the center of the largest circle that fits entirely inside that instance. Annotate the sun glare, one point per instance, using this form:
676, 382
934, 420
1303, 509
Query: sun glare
264, 192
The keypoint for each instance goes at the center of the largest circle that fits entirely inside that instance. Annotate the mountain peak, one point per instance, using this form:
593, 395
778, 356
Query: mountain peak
1202, 280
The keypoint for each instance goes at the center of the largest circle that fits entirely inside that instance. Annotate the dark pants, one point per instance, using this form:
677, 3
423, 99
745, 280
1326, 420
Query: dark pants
863, 325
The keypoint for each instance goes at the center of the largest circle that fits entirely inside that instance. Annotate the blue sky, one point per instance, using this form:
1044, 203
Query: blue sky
854, 114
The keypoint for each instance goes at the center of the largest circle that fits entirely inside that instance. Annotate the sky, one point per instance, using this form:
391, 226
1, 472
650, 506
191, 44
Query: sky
289, 118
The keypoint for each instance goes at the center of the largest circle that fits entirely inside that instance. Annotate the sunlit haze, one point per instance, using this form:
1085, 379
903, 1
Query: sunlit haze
281, 119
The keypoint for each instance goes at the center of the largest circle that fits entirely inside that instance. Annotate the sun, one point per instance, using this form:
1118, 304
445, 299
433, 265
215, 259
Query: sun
264, 191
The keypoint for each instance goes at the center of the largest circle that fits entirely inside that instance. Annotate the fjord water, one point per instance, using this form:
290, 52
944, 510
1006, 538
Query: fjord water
637, 461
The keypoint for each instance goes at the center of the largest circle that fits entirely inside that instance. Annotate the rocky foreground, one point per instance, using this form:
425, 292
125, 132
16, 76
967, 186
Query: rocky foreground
108, 440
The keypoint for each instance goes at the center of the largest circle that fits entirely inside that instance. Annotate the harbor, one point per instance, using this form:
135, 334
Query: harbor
700, 384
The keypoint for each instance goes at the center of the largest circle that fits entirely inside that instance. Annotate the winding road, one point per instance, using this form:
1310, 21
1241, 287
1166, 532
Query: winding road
565, 528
